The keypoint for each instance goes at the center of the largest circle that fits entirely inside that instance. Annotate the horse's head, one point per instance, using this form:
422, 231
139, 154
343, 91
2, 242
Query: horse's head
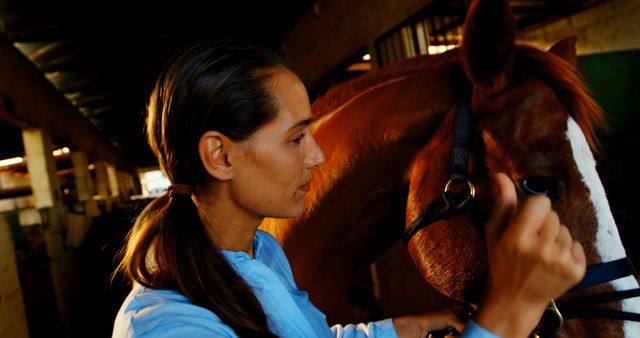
531, 119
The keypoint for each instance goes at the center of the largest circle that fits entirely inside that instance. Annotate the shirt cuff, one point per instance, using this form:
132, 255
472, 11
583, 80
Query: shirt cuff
473, 330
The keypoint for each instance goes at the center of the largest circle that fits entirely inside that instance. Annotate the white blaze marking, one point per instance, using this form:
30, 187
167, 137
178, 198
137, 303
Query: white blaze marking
608, 243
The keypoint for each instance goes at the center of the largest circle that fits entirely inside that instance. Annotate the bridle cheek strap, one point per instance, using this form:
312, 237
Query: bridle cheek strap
451, 203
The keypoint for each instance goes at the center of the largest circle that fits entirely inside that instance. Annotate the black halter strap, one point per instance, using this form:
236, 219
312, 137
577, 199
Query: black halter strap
554, 317
451, 203
460, 151
605, 272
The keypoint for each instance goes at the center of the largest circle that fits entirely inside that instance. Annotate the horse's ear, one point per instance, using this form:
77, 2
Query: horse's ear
566, 49
488, 43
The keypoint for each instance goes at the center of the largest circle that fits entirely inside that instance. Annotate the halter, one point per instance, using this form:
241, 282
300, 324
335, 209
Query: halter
557, 313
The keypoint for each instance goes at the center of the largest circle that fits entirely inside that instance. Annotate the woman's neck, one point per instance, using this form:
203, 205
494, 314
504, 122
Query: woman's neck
229, 227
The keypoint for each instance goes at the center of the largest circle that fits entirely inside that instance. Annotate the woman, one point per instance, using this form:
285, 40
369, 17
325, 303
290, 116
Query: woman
229, 124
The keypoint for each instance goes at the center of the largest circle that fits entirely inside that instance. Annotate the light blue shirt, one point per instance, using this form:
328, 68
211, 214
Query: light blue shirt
167, 313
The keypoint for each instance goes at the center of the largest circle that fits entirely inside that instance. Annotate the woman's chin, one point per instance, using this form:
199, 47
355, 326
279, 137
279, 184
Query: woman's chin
293, 212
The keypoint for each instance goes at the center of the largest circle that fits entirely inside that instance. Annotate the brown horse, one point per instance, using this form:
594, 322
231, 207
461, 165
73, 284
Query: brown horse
388, 138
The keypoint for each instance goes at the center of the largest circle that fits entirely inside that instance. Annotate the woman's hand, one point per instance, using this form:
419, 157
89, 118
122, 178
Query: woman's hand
418, 326
532, 259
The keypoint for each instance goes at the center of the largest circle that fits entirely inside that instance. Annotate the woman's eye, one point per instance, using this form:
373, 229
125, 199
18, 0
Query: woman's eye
541, 185
299, 138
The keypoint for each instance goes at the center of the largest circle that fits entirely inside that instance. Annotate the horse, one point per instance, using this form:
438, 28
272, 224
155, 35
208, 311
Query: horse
393, 144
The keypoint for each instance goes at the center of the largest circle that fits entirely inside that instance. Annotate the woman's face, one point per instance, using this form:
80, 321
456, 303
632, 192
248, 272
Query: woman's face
272, 176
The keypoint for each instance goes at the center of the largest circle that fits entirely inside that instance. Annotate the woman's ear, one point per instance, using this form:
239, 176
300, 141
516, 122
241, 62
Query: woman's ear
214, 148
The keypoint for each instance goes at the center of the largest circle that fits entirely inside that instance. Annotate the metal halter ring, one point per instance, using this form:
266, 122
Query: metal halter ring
553, 309
472, 193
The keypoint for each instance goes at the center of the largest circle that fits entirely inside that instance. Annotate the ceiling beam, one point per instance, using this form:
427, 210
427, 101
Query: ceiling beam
29, 100
332, 31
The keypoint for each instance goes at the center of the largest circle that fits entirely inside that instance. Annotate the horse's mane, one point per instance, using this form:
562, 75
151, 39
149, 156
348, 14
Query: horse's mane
340, 94
568, 86
557, 73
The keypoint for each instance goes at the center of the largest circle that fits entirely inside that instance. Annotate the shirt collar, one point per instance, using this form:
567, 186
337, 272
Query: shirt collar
239, 257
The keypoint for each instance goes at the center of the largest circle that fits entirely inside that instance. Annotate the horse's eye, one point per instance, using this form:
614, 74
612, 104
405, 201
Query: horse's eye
541, 185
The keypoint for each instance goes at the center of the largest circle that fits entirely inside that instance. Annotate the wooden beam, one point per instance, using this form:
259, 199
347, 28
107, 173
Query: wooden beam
29, 100
332, 31
15, 192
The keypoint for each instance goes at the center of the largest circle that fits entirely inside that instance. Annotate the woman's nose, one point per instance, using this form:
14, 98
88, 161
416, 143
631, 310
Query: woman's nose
316, 156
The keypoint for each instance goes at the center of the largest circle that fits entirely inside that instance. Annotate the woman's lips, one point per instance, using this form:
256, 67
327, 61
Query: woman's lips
305, 187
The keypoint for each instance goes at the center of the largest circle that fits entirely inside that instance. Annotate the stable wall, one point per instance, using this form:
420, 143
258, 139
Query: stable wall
611, 26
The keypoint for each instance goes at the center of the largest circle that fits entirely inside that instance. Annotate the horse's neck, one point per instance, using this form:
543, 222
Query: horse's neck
357, 203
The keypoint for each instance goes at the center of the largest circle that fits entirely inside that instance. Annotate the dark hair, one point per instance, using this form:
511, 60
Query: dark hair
220, 86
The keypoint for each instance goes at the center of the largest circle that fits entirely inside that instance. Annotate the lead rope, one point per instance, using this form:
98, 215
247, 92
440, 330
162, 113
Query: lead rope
557, 313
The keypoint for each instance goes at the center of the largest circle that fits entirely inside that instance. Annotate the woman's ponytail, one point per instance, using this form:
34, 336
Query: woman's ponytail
169, 248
